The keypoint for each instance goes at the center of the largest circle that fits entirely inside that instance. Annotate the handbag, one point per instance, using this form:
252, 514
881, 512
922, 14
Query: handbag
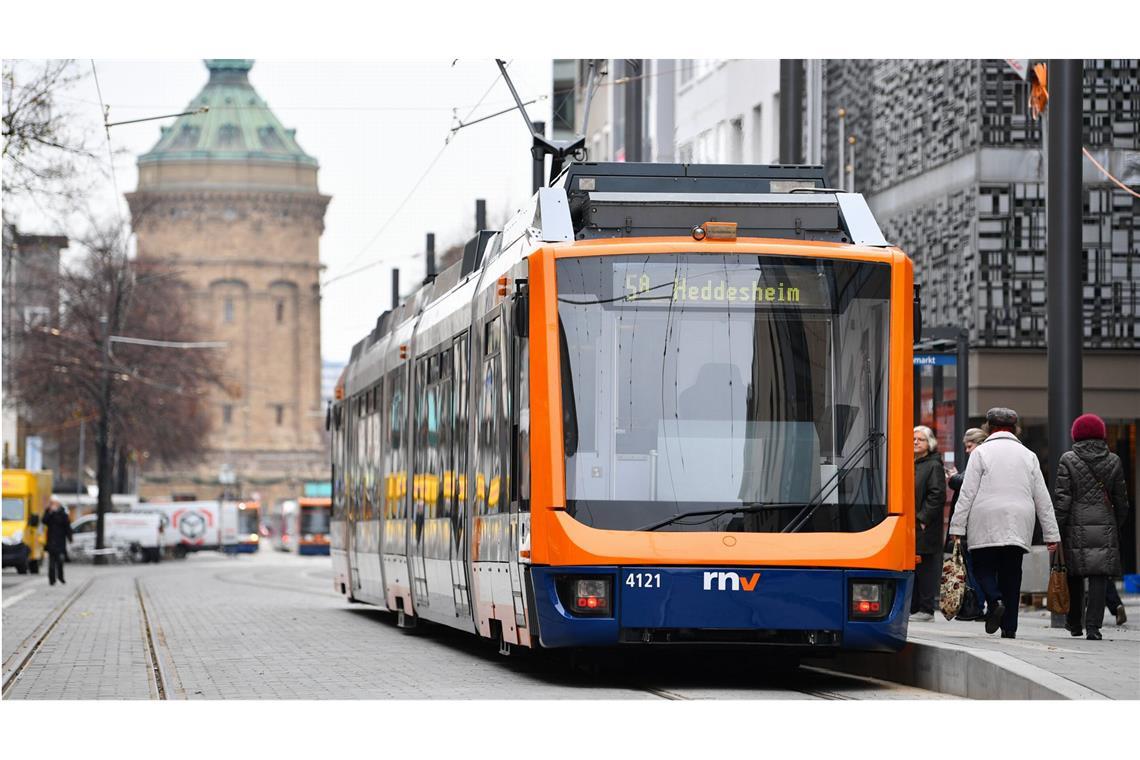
971, 608
953, 585
1057, 599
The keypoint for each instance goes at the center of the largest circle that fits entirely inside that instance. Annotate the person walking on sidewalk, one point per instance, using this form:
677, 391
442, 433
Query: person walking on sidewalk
1092, 504
973, 605
58, 536
1114, 603
1002, 492
929, 500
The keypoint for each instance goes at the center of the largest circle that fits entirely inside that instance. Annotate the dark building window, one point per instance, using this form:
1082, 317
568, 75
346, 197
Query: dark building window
270, 140
280, 311
279, 409
227, 414
229, 137
187, 138
228, 311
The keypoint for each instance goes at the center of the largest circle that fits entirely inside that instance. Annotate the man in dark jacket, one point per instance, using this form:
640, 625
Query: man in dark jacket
1091, 505
929, 502
58, 537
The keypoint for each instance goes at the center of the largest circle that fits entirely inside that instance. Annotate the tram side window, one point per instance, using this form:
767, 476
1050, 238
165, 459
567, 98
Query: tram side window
444, 460
338, 464
350, 459
461, 426
419, 427
489, 491
397, 416
376, 460
520, 439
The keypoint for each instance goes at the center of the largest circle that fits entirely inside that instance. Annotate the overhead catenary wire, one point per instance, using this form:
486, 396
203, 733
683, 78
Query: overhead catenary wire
407, 198
1106, 173
110, 152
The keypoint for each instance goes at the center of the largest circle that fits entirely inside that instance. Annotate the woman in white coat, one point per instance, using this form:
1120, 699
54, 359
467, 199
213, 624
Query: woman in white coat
1002, 492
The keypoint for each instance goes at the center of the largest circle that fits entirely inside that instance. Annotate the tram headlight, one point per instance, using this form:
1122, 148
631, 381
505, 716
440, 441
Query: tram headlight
871, 599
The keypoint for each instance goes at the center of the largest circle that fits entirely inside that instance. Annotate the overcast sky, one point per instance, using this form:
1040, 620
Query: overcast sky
374, 128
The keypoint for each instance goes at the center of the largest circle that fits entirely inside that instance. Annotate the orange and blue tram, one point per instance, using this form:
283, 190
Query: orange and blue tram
665, 404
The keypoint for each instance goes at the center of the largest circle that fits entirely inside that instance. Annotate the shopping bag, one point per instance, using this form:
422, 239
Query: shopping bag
1057, 599
953, 586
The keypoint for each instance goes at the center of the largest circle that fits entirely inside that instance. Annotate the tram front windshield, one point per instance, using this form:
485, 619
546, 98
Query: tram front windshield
314, 520
247, 521
749, 389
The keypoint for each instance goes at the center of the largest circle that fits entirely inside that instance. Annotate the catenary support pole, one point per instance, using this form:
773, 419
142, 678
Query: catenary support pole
538, 156
633, 108
791, 111
1065, 323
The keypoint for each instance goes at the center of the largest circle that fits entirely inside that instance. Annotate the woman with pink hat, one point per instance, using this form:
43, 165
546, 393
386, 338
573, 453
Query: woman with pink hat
1091, 504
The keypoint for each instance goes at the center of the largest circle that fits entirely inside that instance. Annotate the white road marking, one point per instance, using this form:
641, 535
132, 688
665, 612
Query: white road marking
13, 599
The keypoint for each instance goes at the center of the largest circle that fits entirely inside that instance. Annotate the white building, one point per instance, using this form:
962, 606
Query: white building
693, 110
727, 111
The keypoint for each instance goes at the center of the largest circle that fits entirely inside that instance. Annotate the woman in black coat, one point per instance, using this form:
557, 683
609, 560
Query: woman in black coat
58, 526
929, 502
1091, 505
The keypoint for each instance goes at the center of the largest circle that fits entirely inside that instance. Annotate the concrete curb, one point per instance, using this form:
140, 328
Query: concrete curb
960, 671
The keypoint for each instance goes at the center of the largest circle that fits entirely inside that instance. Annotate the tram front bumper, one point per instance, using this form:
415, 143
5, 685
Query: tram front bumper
790, 607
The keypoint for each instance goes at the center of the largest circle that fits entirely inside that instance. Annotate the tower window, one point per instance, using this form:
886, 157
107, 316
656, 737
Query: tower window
229, 136
227, 413
280, 311
280, 410
228, 311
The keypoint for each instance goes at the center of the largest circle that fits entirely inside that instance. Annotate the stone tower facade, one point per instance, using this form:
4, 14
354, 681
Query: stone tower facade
231, 198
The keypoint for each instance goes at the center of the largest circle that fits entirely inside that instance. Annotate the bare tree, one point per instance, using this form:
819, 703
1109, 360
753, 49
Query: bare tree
148, 397
46, 155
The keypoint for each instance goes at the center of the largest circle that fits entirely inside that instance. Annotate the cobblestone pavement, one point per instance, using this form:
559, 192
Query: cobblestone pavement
1111, 666
269, 626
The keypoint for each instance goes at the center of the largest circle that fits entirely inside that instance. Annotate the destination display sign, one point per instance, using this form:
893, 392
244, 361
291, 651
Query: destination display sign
702, 285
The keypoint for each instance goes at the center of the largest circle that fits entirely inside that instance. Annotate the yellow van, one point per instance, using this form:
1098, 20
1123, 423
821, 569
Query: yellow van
26, 496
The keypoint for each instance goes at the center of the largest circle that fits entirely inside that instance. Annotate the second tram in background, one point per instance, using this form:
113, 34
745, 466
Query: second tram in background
665, 404
302, 525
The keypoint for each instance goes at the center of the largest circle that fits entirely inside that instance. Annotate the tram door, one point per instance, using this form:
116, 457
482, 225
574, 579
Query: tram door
460, 358
519, 428
353, 491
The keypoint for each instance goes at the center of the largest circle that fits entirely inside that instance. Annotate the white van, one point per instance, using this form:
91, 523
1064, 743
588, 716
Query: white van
138, 536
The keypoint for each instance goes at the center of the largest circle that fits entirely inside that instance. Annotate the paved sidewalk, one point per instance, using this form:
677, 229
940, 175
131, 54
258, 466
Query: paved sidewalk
1110, 667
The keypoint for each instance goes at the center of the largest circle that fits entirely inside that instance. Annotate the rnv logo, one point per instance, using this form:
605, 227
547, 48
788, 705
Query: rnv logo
730, 581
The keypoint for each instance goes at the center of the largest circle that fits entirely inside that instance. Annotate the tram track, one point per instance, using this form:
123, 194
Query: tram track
51, 621
229, 578
155, 674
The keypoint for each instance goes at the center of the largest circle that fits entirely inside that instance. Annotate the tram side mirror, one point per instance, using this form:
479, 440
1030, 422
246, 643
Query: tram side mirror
521, 313
917, 313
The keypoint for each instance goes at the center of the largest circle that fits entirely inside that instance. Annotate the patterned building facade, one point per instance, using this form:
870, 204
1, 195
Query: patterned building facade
954, 167
231, 198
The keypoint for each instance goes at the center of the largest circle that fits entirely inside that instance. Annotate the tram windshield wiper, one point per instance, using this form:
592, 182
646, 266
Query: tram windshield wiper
866, 446
712, 513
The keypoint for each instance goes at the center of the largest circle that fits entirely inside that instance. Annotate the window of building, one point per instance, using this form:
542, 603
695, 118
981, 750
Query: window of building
228, 311
279, 409
280, 311
229, 137
757, 133
227, 413
736, 140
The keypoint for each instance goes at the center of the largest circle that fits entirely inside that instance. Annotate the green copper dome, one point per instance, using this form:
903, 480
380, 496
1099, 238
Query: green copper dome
238, 127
